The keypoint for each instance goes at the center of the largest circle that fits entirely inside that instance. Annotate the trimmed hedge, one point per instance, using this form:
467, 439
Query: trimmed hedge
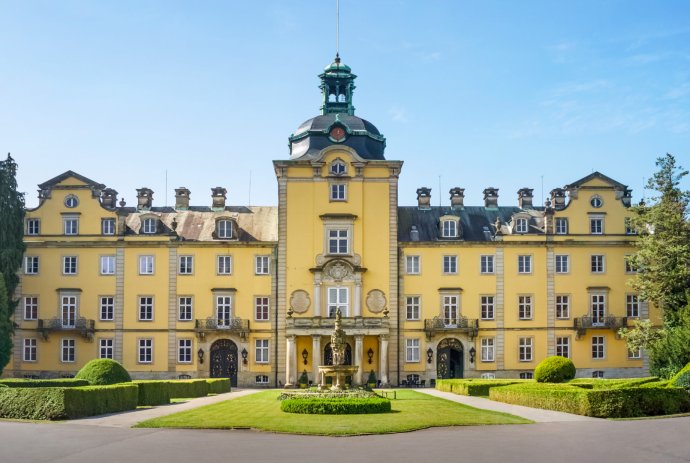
153, 392
187, 388
336, 406
62, 382
682, 378
218, 385
624, 402
554, 369
99, 372
473, 387
56, 403
594, 383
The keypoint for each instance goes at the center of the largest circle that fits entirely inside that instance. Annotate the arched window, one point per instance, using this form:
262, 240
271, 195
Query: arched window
338, 167
224, 229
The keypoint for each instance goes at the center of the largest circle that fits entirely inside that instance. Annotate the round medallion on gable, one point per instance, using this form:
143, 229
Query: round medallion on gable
337, 133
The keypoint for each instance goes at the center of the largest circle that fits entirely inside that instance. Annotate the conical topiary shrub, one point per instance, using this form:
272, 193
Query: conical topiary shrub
99, 372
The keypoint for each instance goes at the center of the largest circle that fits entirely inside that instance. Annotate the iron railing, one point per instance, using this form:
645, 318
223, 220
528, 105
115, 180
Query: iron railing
83, 326
347, 322
582, 324
459, 324
233, 324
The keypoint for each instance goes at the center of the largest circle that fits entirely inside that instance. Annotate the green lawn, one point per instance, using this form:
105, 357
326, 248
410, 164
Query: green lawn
410, 411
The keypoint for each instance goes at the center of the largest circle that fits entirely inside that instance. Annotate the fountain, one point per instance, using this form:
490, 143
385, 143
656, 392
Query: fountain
337, 371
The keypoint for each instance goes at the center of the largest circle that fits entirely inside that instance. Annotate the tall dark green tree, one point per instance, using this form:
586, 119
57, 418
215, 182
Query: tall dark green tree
11, 251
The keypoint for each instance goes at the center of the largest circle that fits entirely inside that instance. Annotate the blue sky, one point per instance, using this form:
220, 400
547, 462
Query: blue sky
490, 93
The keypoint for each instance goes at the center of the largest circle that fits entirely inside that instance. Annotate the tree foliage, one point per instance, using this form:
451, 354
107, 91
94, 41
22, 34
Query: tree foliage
11, 250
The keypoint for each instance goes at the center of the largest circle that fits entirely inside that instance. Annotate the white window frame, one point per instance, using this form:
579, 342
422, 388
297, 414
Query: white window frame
106, 348
69, 310
487, 306
70, 226
597, 263
450, 309
336, 237
146, 308
632, 305
262, 265
68, 350
225, 304
185, 265
108, 227
449, 228
598, 347
562, 263
524, 264
635, 355
561, 225
413, 265
521, 226
562, 306
184, 350
224, 265
145, 350
563, 346
338, 168
597, 308
412, 350
30, 350
70, 265
338, 192
450, 265
149, 226
413, 306
486, 264
488, 349
225, 229
526, 349
596, 225
629, 267
338, 297
525, 307
107, 265
30, 304
31, 265
185, 308
261, 351
261, 379
33, 227
106, 308
147, 265
262, 308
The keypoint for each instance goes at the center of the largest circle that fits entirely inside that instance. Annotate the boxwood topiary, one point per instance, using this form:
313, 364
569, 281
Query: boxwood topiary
555, 369
336, 406
682, 378
100, 372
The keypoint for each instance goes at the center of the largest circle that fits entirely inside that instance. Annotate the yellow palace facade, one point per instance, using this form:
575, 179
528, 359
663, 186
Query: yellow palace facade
250, 293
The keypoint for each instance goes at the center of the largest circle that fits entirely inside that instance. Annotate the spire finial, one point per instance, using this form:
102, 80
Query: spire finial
337, 58
337, 30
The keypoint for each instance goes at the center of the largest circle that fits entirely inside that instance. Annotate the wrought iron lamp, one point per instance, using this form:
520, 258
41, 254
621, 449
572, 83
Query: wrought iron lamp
305, 354
244, 356
429, 355
200, 354
370, 354
473, 352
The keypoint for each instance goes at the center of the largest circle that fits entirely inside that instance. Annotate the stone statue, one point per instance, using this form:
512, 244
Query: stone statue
338, 340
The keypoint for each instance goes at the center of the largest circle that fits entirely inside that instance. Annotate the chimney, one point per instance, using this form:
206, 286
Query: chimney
627, 197
424, 198
182, 198
218, 195
558, 198
525, 198
109, 198
491, 198
457, 197
144, 198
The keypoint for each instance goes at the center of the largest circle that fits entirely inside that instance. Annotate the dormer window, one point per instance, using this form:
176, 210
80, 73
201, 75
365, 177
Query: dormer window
149, 226
224, 229
338, 167
449, 227
521, 226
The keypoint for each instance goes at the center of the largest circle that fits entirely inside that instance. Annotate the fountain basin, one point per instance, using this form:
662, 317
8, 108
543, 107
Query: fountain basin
338, 373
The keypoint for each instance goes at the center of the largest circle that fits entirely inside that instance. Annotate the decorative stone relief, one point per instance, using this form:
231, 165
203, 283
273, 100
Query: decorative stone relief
376, 301
338, 270
299, 301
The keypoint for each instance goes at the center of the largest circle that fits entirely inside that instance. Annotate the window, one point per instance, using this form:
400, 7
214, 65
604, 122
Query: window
596, 225
31, 265
412, 307
450, 264
262, 265
224, 311
598, 309
597, 374
487, 350
149, 226
261, 379
184, 350
525, 349
146, 265
562, 263
68, 311
33, 227
598, 350
561, 226
450, 310
145, 308
521, 226
69, 265
596, 202
412, 265
224, 266
486, 264
449, 229
337, 299
524, 264
526, 375
261, 350
597, 263
71, 201
261, 306
629, 228
486, 304
338, 241
635, 354
30, 308
105, 348
525, 307
108, 226
70, 225
106, 308
185, 308
186, 265
224, 229
632, 305
145, 350
563, 346
629, 265
337, 168
562, 306
412, 350
107, 265
67, 350
338, 191
488, 376
30, 349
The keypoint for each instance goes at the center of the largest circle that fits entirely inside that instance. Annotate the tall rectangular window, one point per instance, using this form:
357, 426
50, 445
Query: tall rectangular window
70, 225
337, 299
224, 265
338, 192
224, 311
450, 310
596, 225
69, 265
525, 307
562, 306
562, 263
261, 346
524, 264
449, 229
108, 226
486, 264
33, 227
184, 350
487, 350
261, 308
629, 228
185, 308
106, 308
598, 309
487, 307
525, 349
563, 346
412, 350
597, 263
68, 311
450, 264
145, 308
338, 241
31, 265
598, 347
145, 353
105, 348
412, 265
561, 226
30, 349
186, 265
146, 265
67, 350
412, 307
107, 265
632, 305
30, 308
262, 265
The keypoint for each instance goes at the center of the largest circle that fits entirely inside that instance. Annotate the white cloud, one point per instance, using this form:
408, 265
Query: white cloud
398, 114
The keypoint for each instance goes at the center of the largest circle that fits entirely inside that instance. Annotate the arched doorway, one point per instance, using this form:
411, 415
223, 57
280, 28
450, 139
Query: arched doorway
449, 359
328, 355
224, 360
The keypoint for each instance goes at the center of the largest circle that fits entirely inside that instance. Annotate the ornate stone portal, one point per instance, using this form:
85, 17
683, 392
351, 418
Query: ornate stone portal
338, 370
